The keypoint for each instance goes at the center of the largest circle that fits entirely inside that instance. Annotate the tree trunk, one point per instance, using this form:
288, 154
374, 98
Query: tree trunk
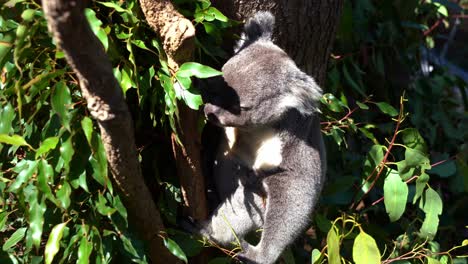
304, 29
105, 101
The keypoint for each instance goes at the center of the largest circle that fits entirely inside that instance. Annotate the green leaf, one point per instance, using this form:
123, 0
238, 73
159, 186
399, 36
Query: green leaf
27, 169
365, 250
95, 25
198, 70
102, 208
87, 125
14, 140
66, 152
421, 183
16, 237
84, 251
47, 145
36, 220
28, 14
175, 249
98, 161
432, 203
115, 6
45, 177
217, 14
193, 101
3, 220
412, 139
432, 261
362, 106
395, 195
315, 256
415, 158
61, 102
332, 103
433, 208
333, 247
63, 195
53, 243
7, 114
374, 158
387, 109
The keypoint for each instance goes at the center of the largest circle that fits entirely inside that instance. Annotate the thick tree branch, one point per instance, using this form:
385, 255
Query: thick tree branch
178, 34
106, 103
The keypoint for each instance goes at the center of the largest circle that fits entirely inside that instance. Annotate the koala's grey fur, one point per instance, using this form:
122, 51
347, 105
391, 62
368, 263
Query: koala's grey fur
270, 165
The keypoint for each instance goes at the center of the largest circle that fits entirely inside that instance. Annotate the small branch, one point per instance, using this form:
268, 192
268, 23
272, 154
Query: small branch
86, 55
381, 165
415, 177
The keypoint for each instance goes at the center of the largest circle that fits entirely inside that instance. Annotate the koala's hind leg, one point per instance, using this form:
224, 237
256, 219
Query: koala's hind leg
286, 216
235, 217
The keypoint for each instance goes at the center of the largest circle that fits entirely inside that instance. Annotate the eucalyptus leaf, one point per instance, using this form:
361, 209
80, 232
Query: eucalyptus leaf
16, 237
365, 250
198, 70
395, 195
172, 246
333, 247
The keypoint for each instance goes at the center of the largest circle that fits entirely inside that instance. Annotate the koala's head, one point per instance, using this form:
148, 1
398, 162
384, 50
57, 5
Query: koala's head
260, 82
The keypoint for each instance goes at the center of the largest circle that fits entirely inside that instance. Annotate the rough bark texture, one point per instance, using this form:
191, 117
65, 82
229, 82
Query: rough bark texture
188, 162
304, 29
106, 103
178, 34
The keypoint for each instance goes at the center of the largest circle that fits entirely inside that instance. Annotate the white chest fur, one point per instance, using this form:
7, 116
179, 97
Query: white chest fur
260, 149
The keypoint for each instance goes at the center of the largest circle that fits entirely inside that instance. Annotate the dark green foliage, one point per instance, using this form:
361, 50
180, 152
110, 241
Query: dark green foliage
402, 171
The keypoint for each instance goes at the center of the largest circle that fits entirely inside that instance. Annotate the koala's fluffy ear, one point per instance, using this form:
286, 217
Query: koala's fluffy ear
260, 26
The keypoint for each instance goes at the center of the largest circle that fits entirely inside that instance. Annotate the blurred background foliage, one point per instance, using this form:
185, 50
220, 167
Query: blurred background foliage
393, 115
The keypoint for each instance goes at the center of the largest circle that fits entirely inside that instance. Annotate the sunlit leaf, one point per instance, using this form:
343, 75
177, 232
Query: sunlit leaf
333, 247
14, 140
36, 220
63, 195
433, 208
47, 145
53, 243
365, 250
28, 168
172, 246
16, 237
198, 70
315, 256
84, 251
96, 24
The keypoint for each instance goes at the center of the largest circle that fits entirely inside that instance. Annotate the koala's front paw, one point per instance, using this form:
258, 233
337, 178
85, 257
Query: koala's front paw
244, 259
247, 255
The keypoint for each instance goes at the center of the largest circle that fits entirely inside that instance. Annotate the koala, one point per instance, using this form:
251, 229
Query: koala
269, 167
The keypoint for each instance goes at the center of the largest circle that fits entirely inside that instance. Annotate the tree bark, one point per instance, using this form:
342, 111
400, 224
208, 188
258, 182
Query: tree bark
106, 103
178, 35
304, 29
